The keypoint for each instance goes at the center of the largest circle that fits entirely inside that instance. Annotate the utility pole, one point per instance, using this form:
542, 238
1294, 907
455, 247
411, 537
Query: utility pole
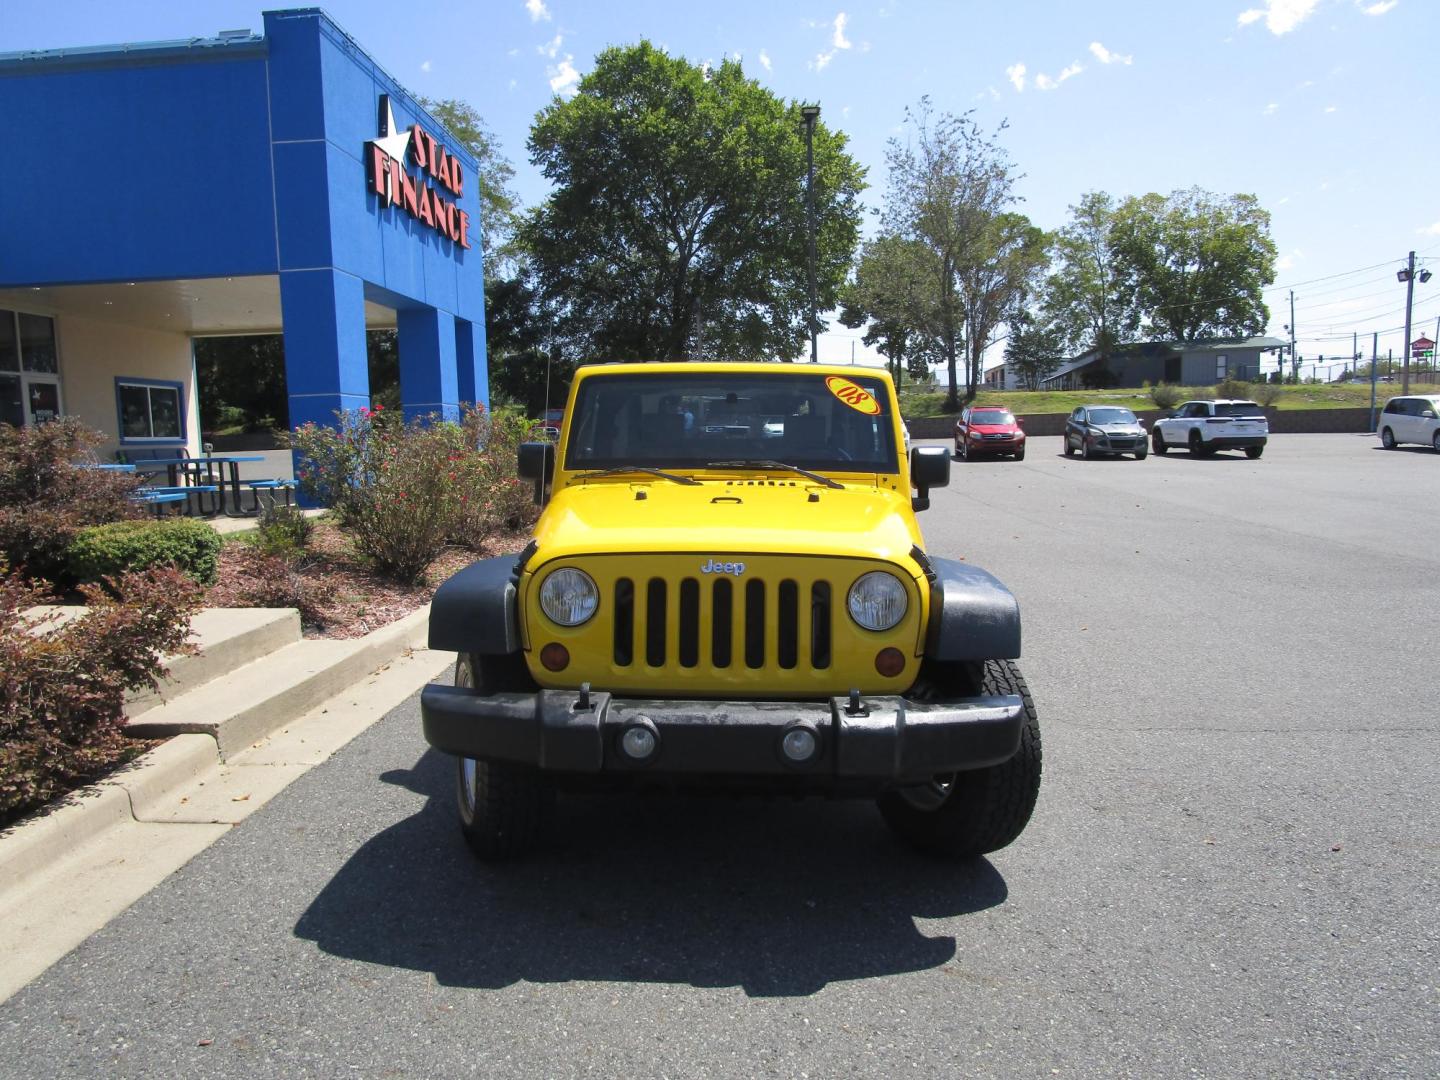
811, 113
1294, 363
1409, 299
1374, 374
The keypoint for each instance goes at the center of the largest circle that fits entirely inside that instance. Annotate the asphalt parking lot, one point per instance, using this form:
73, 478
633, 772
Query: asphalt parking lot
1234, 868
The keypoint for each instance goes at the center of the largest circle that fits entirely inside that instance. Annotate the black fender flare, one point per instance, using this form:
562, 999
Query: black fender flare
972, 615
475, 610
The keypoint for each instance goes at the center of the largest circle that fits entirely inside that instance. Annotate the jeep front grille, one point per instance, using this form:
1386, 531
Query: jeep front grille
729, 607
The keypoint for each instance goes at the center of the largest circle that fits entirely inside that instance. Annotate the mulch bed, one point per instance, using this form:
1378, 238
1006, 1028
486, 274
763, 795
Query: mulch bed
338, 593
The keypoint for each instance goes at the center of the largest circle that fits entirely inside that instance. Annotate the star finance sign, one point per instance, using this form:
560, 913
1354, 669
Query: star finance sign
393, 184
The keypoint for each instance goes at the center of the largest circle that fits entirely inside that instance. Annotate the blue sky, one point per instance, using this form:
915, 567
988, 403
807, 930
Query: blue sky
1324, 109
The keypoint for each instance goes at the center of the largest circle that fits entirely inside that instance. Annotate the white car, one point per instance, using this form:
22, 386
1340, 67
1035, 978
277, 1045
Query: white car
1411, 420
1205, 427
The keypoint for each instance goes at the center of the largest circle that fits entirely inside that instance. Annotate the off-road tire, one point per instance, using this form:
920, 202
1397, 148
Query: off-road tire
1158, 444
504, 807
983, 809
1387, 438
1253, 452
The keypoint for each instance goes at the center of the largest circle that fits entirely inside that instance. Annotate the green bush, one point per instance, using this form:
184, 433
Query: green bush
406, 490
1233, 388
1164, 395
45, 498
1268, 393
102, 551
62, 684
283, 530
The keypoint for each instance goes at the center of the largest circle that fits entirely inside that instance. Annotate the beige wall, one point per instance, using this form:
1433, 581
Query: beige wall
93, 353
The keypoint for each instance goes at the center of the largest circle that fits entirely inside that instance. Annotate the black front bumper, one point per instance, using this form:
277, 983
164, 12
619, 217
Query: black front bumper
887, 739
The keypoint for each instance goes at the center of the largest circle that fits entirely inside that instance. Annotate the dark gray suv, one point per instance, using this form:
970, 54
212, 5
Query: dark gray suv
1093, 430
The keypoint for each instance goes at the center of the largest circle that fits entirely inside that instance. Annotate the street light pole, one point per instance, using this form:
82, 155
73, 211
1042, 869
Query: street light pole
1409, 274
811, 113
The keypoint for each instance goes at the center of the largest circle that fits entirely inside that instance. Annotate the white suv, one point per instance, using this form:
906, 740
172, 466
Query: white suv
1207, 426
1411, 420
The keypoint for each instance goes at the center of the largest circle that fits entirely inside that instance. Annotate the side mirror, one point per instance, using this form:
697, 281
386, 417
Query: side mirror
536, 462
929, 467
1428, 414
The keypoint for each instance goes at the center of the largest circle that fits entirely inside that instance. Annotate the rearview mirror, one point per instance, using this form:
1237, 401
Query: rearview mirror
929, 467
536, 462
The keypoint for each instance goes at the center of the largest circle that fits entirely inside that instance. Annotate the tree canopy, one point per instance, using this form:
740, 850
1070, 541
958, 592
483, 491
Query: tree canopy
1198, 262
677, 226
498, 203
1090, 300
886, 296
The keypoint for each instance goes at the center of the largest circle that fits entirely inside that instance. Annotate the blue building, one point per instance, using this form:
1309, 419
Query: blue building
242, 184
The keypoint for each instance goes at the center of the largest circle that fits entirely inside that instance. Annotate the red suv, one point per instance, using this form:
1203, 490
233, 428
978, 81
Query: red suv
988, 430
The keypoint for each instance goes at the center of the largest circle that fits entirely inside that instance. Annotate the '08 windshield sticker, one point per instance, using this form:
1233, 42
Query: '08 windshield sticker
852, 394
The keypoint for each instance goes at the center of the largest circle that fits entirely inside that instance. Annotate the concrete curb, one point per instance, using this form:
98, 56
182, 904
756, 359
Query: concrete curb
30, 846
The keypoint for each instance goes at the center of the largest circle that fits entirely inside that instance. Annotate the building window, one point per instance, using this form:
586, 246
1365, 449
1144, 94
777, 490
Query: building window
1221, 366
151, 410
29, 369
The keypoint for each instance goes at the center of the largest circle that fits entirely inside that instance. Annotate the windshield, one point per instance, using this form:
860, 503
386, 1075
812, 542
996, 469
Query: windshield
1112, 416
670, 420
1239, 408
991, 416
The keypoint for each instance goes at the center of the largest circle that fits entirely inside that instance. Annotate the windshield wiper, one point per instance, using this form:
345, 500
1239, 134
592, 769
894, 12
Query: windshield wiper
748, 463
616, 469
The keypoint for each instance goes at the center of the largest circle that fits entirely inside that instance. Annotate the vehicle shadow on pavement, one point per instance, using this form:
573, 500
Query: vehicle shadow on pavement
779, 897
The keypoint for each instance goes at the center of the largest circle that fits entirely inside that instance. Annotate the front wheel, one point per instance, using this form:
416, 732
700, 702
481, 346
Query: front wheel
1140, 455
1387, 439
1253, 452
1069, 450
503, 806
1157, 442
973, 813
1019, 455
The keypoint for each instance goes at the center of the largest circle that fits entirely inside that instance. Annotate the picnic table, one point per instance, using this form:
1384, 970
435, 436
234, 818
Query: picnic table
224, 469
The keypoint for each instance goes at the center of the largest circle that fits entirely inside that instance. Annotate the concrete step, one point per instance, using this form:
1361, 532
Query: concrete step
228, 638
252, 701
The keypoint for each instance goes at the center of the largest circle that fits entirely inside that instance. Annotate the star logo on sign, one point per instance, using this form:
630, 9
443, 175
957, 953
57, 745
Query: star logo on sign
394, 143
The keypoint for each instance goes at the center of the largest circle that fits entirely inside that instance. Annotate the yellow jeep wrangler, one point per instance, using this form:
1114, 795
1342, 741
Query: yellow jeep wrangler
728, 588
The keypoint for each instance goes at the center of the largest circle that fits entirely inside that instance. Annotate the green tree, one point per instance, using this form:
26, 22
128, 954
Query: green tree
677, 225
1199, 262
947, 182
1032, 350
1090, 299
1005, 265
886, 296
499, 207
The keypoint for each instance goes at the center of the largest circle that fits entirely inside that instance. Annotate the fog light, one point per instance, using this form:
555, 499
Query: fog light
890, 662
799, 744
638, 742
555, 657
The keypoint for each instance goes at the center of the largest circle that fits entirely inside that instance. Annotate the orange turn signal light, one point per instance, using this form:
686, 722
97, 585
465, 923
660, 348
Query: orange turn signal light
555, 657
890, 662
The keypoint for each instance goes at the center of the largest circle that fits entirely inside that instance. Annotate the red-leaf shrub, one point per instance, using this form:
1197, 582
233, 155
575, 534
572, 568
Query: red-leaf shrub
62, 685
45, 499
405, 490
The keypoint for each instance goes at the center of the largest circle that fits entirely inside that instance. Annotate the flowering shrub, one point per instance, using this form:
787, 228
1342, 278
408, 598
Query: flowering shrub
62, 686
45, 499
405, 490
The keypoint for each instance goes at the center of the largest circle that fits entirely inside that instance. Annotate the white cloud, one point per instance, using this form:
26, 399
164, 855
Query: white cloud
425, 65
563, 76
840, 41
1329, 108
821, 60
1433, 230
1105, 56
1281, 16
1044, 82
538, 11
1016, 74
552, 47
512, 52
764, 59
1271, 109
1376, 9
1285, 262
513, 84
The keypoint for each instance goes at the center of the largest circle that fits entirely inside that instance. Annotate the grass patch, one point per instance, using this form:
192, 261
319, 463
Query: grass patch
916, 406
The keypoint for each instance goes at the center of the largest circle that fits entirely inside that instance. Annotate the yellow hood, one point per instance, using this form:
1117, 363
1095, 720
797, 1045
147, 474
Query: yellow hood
723, 516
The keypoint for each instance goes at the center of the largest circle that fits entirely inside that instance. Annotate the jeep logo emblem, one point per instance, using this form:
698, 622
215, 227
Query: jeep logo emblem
714, 566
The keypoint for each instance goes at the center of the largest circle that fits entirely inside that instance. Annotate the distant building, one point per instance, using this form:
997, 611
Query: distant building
1182, 363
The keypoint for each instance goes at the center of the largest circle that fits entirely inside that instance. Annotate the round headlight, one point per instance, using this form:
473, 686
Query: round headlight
569, 597
877, 600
